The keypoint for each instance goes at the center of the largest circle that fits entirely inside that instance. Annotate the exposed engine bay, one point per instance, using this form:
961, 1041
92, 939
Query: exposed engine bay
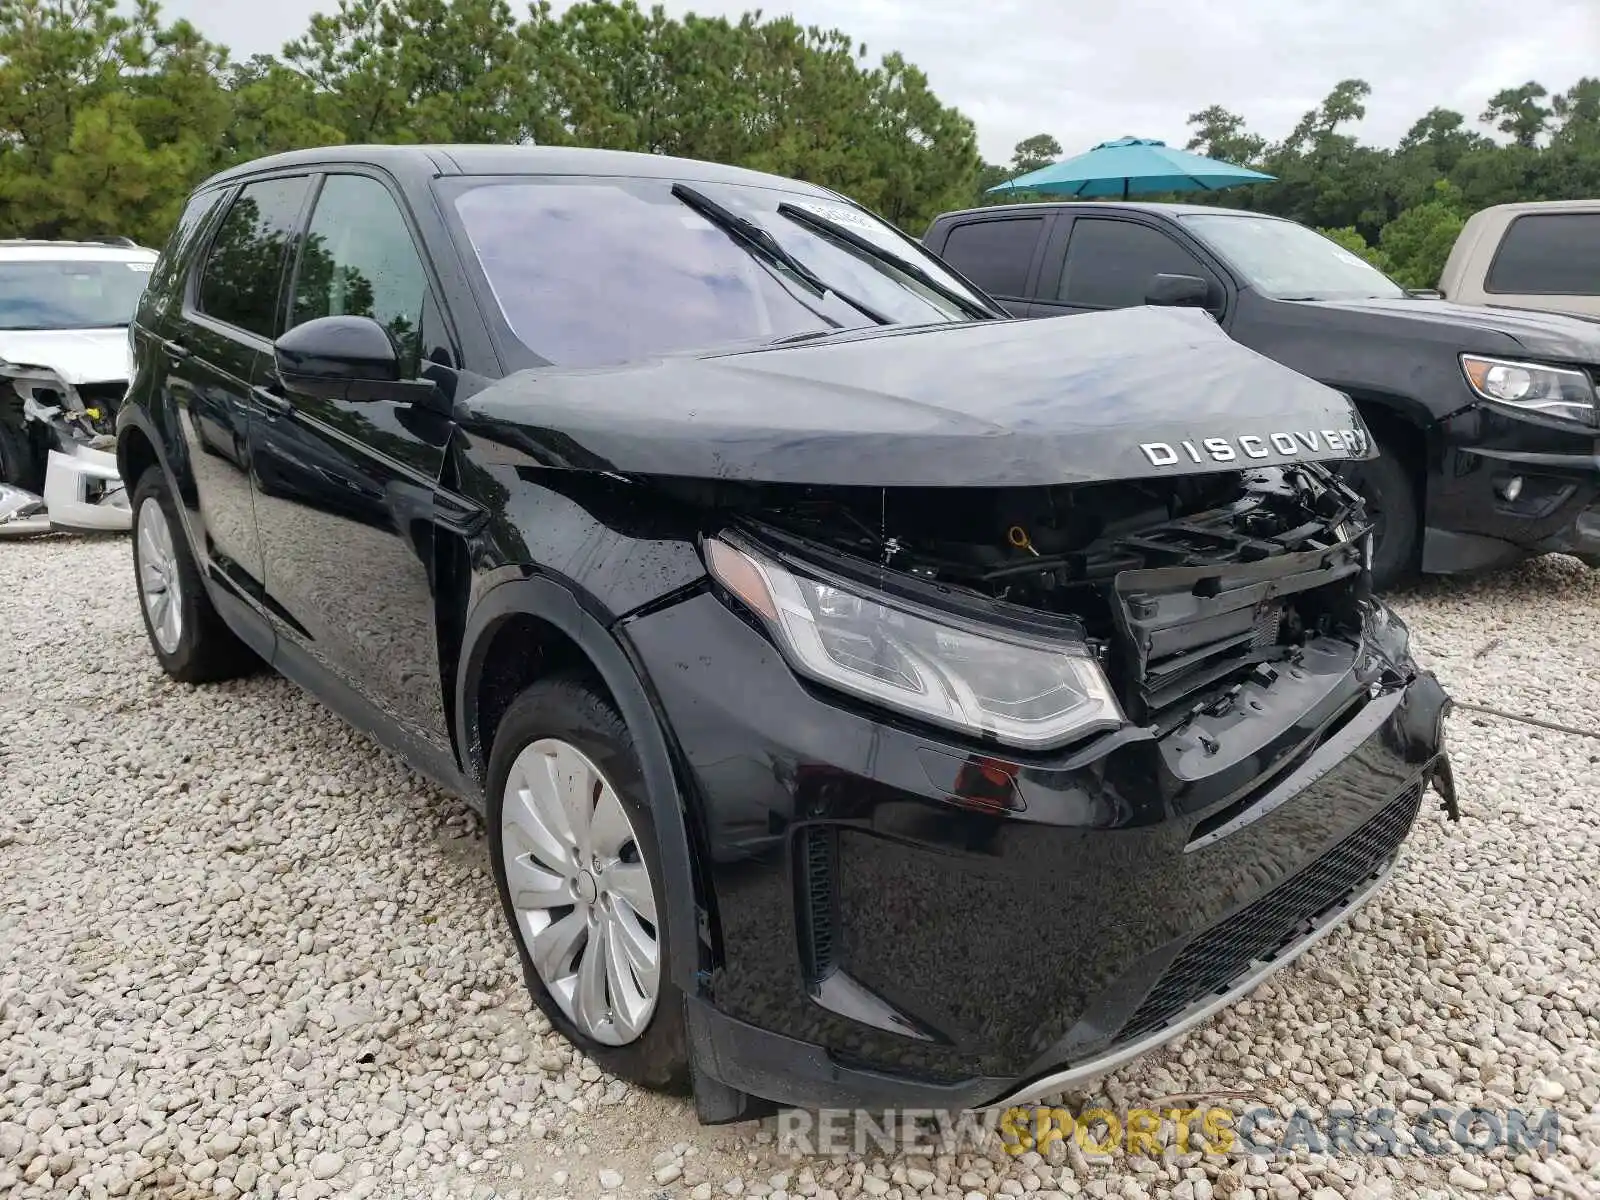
1181, 585
58, 464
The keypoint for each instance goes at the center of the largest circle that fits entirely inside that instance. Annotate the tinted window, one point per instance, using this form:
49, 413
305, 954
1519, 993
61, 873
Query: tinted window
240, 282
359, 260
995, 255
1551, 254
70, 295
1110, 263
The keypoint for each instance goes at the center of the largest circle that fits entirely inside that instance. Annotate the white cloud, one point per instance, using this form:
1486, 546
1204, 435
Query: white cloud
1086, 73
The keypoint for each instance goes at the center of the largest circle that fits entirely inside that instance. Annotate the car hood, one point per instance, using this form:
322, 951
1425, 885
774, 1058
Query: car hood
1544, 334
1126, 394
77, 355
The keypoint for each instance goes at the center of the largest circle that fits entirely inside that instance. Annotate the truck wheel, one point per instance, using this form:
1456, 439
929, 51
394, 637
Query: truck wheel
578, 869
190, 639
1385, 484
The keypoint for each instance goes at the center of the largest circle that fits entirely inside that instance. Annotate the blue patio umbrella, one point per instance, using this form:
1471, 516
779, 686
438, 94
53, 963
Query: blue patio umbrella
1128, 165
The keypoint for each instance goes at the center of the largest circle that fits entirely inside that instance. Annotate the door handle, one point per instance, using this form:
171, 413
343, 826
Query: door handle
271, 401
176, 351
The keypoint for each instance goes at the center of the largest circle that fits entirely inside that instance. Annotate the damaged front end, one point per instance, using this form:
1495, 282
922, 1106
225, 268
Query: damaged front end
1198, 597
1174, 723
59, 454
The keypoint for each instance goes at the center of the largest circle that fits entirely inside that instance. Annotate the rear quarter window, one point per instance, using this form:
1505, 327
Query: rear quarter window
1548, 254
995, 253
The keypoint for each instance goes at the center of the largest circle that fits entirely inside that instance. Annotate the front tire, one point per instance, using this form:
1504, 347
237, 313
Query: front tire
578, 870
1386, 485
19, 465
189, 638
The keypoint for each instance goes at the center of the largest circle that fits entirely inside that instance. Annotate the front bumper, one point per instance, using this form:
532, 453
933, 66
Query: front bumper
1509, 484
883, 935
83, 493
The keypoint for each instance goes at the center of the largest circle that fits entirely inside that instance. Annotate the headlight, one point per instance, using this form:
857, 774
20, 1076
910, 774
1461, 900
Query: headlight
1554, 391
1020, 690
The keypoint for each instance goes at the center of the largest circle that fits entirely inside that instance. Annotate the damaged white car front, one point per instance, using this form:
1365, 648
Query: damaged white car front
64, 369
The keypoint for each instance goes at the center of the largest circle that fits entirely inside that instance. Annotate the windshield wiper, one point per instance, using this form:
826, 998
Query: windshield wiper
820, 224
760, 242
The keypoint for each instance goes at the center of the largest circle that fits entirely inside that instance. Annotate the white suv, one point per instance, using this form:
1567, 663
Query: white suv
65, 308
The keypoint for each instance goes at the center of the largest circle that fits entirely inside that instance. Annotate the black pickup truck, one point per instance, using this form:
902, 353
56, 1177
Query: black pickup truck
1485, 418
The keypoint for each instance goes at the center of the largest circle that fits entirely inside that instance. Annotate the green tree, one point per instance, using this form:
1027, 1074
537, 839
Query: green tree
431, 70
1032, 153
1417, 242
1222, 135
1518, 113
768, 94
106, 119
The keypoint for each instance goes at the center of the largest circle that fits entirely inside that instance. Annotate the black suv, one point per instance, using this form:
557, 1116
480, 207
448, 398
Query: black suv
817, 644
1486, 417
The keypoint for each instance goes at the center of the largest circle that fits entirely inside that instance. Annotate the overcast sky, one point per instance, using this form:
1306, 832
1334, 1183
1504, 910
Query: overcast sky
1087, 72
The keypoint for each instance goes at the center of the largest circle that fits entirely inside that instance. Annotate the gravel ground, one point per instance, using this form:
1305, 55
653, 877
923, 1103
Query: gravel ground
243, 952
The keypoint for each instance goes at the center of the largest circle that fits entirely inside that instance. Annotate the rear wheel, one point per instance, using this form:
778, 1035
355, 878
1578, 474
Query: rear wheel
1385, 483
188, 636
577, 867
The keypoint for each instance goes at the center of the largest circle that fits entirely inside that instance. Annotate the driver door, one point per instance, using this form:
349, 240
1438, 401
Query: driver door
347, 496
1110, 263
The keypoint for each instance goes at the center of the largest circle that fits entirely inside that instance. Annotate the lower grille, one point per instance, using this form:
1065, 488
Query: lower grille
817, 870
1263, 928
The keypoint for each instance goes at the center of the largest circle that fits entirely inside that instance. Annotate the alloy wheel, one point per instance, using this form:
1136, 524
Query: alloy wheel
160, 591
581, 891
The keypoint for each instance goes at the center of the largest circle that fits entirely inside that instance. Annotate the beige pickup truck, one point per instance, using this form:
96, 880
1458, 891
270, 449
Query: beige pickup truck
1538, 255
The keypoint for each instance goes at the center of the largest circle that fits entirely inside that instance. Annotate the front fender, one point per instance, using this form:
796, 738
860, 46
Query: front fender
549, 601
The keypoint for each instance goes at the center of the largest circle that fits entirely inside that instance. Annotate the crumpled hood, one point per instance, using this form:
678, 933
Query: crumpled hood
1125, 394
77, 355
1483, 328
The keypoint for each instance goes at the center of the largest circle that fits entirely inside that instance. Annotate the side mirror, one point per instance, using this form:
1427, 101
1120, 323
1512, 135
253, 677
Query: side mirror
324, 356
1178, 291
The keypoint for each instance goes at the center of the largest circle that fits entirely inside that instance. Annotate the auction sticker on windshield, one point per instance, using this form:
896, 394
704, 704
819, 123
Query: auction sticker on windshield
839, 214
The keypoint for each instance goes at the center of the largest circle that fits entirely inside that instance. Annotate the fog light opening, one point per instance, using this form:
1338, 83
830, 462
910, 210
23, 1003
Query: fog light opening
1510, 489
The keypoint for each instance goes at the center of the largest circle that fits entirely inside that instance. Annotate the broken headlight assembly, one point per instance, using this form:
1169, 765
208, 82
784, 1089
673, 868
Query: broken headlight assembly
1023, 691
1553, 391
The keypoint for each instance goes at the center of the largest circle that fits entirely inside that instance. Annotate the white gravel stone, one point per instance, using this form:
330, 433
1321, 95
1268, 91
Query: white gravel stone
244, 953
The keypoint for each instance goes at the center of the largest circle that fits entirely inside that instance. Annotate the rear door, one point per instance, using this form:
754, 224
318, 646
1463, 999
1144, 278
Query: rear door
1548, 260
348, 494
1108, 262
213, 355
999, 251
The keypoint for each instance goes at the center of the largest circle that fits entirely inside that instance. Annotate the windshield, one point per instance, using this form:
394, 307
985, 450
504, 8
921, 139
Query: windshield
1290, 262
70, 295
592, 272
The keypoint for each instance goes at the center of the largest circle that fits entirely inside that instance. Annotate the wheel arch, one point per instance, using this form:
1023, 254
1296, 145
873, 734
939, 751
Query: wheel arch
136, 454
1401, 422
522, 630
